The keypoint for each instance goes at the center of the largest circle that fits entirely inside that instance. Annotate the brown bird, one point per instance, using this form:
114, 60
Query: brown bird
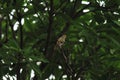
61, 41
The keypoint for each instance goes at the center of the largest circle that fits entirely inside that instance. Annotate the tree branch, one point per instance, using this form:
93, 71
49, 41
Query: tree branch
50, 26
6, 32
63, 4
20, 56
66, 65
38, 15
1, 18
67, 25
0, 29
81, 11
74, 6
11, 26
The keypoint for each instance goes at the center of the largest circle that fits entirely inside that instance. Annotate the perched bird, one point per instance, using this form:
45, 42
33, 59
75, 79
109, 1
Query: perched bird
60, 42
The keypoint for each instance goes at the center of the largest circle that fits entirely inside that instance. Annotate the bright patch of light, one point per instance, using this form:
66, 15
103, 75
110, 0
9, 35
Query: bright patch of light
2, 36
38, 63
51, 77
75, 46
118, 19
32, 74
44, 13
4, 78
11, 63
22, 21
90, 21
71, 0
96, 23
23, 60
26, 9
75, 74
60, 67
25, 4
27, 18
105, 22
79, 78
33, 22
11, 17
1, 8
14, 77
2, 61
53, 14
64, 76
5, 18
21, 70
86, 10
30, 59
85, 2
42, 3
81, 40
7, 76
7, 52
13, 11
16, 25
102, 3
16, 37
35, 15
10, 77
10, 68
46, 9
0, 16
30, 4
116, 13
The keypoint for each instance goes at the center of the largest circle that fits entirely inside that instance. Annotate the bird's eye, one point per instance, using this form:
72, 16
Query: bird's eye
61, 42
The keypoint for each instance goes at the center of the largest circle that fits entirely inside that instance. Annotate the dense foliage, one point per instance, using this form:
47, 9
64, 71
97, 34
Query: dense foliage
29, 30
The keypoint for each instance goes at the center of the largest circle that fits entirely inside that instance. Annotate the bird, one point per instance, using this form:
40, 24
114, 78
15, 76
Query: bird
61, 41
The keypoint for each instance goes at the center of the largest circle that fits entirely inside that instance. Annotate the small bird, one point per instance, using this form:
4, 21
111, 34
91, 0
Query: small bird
60, 41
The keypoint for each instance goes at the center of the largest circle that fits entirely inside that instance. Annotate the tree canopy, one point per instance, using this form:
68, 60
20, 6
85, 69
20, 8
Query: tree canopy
60, 39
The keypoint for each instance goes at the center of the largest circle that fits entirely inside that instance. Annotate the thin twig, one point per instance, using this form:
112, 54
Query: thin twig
11, 26
67, 66
19, 16
81, 11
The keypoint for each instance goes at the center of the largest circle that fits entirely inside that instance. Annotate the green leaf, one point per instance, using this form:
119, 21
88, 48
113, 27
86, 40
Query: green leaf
116, 30
113, 40
35, 68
